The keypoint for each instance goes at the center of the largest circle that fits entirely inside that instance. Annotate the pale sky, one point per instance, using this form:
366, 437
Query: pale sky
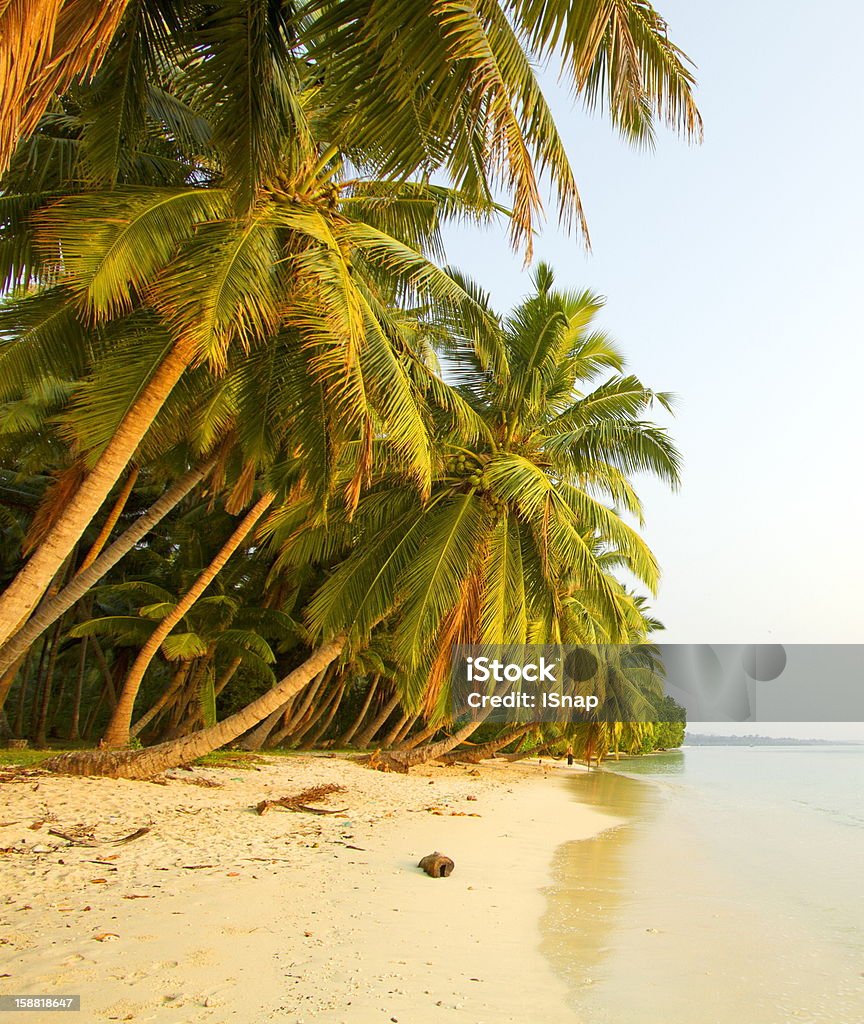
732, 272
733, 277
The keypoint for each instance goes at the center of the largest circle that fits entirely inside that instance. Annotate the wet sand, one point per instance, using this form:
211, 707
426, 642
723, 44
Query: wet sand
701, 902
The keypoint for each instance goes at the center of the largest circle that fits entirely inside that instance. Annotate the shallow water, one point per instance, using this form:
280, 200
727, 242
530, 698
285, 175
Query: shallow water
732, 895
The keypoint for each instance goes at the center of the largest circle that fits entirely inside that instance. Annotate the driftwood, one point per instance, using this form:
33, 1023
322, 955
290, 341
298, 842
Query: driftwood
300, 801
83, 839
436, 865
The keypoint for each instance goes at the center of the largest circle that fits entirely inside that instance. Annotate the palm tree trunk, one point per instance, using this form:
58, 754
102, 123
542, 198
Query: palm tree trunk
40, 729
178, 680
144, 764
8, 678
365, 738
57, 700
390, 737
117, 733
38, 681
51, 610
349, 733
24, 592
79, 687
316, 713
273, 741
18, 727
484, 750
328, 718
406, 728
258, 737
401, 760
300, 715
95, 708
425, 733
110, 690
227, 675
182, 703
110, 522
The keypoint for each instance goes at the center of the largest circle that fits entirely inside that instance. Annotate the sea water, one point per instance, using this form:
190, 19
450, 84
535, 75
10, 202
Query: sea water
732, 894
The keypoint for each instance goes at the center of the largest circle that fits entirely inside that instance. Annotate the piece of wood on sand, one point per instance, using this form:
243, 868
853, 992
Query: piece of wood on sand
301, 801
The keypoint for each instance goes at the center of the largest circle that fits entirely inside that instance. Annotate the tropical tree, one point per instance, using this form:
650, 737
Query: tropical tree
515, 541
235, 221
520, 527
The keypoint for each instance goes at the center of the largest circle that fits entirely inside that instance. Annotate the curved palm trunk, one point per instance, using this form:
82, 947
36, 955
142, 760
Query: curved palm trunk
278, 736
24, 592
143, 764
484, 750
52, 609
328, 718
406, 728
300, 715
227, 675
351, 731
111, 521
176, 684
315, 714
365, 738
117, 733
389, 737
259, 735
287, 713
410, 742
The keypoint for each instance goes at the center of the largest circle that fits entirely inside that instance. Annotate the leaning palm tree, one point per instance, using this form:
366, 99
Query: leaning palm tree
313, 263
517, 518
249, 226
521, 519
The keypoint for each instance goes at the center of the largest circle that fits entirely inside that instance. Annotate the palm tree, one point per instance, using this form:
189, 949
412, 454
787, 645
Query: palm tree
43, 48
520, 526
86, 578
117, 734
247, 224
143, 764
619, 55
218, 636
515, 541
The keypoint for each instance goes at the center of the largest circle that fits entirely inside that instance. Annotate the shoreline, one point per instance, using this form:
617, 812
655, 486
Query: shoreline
655, 918
223, 915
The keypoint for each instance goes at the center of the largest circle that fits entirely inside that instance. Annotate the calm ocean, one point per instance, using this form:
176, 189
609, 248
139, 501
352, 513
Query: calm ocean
733, 893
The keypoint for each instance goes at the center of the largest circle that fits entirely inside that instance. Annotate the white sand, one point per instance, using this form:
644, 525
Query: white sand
287, 922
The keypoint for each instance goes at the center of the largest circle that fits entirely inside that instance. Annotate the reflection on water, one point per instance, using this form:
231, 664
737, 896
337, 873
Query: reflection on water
731, 895
591, 876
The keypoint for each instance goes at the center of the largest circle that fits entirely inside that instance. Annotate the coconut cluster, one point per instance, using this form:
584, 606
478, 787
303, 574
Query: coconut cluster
473, 473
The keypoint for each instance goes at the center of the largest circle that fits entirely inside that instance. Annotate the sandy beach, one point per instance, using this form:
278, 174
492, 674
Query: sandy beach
220, 914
